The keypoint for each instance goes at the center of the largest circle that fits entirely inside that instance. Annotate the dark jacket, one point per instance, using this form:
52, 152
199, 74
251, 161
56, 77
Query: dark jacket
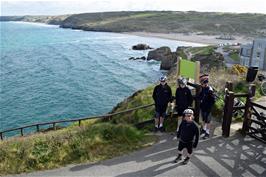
183, 98
207, 99
162, 95
188, 132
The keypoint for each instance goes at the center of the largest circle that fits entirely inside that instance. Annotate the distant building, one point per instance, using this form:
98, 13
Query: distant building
258, 52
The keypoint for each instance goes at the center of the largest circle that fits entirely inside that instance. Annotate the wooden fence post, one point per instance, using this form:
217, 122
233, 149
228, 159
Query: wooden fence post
38, 128
197, 103
21, 131
227, 119
228, 87
247, 114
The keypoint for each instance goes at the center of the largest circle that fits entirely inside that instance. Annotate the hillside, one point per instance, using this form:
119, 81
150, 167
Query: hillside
210, 23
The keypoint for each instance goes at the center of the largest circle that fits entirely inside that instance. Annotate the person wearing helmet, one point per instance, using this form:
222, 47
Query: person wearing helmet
188, 135
183, 96
207, 100
162, 95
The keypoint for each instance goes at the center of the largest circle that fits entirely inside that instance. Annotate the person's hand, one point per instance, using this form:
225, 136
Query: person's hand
177, 136
194, 145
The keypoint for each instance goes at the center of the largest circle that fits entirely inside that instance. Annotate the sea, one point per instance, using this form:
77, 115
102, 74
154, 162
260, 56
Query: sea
49, 73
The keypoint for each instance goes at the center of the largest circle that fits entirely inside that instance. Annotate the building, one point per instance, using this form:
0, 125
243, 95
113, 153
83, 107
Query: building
258, 52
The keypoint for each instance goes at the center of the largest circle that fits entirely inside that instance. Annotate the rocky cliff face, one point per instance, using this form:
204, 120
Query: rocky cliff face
163, 54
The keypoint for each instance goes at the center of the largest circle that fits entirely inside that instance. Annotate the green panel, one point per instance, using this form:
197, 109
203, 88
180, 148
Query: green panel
187, 69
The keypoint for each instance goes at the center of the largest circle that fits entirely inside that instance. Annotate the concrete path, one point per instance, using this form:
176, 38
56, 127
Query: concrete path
217, 156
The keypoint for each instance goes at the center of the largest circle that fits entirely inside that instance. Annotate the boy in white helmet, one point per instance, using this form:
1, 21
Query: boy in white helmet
188, 135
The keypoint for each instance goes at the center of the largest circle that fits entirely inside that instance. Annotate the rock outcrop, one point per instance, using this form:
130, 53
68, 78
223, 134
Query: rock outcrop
210, 60
141, 47
163, 54
138, 58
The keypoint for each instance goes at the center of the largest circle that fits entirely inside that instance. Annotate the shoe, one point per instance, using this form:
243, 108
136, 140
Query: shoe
156, 129
206, 136
186, 160
202, 131
161, 129
178, 158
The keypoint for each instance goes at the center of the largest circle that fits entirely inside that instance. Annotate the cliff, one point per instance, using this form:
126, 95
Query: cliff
210, 23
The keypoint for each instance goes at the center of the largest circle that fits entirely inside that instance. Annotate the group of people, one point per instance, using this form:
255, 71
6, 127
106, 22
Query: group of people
188, 131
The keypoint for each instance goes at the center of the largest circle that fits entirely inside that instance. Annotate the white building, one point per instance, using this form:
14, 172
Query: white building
258, 52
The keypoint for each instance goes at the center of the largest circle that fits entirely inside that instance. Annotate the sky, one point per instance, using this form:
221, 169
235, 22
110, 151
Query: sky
49, 7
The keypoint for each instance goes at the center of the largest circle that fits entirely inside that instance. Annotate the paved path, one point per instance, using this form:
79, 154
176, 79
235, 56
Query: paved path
234, 156
227, 59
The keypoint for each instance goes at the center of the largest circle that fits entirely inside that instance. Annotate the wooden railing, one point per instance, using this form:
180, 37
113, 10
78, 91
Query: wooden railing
106, 116
79, 120
251, 115
229, 107
256, 122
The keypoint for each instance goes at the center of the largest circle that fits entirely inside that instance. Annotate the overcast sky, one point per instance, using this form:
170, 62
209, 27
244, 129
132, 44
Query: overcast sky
49, 7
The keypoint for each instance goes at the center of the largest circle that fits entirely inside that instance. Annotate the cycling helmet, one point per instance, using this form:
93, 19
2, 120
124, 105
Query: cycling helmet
182, 81
163, 78
188, 111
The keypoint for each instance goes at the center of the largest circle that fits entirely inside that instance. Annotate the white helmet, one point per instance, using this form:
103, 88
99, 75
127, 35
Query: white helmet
188, 111
182, 81
163, 78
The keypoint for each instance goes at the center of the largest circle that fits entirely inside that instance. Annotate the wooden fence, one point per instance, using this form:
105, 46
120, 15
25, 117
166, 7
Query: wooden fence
251, 115
79, 120
106, 116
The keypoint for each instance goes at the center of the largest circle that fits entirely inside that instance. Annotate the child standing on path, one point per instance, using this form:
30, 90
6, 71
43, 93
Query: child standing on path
188, 134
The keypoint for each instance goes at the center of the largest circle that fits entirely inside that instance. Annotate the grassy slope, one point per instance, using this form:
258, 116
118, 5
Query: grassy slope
90, 143
163, 22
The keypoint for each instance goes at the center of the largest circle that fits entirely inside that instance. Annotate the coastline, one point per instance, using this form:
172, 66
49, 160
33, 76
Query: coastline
192, 38
203, 40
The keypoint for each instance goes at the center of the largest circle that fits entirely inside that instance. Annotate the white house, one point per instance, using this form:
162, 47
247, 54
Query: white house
258, 52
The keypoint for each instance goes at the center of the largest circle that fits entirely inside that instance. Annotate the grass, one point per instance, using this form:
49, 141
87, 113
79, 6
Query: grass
235, 56
202, 50
89, 143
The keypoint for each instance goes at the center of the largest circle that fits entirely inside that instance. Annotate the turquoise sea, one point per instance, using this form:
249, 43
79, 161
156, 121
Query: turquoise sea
49, 73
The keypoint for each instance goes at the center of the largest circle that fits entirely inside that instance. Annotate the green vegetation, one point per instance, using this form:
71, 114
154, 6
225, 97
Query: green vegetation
235, 56
90, 143
202, 50
210, 23
180, 52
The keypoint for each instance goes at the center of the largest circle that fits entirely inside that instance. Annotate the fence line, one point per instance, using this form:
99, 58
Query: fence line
37, 125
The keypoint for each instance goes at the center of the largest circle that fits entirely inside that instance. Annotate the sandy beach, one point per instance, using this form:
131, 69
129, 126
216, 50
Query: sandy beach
193, 37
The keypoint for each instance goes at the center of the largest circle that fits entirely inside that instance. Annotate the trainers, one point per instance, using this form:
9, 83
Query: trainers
156, 129
186, 160
161, 129
202, 131
206, 136
179, 157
